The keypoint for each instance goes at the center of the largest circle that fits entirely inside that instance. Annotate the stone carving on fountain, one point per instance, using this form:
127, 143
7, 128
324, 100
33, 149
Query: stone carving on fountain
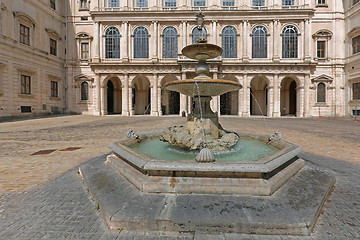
202, 129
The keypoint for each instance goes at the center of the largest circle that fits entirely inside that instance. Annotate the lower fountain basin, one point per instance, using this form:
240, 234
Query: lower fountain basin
202, 87
261, 177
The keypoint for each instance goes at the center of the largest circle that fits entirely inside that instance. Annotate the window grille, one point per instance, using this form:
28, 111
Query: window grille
24, 35
113, 3
290, 42
141, 3
25, 84
199, 3
53, 47
356, 44
321, 92
54, 89
259, 42
320, 49
112, 43
258, 3
288, 2
141, 43
229, 42
169, 3
84, 91
228, 3
170, 43
356, 91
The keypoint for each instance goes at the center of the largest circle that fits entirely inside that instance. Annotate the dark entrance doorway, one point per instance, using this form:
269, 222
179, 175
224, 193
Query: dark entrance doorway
292, 98
110, 97
225, 104
174, 102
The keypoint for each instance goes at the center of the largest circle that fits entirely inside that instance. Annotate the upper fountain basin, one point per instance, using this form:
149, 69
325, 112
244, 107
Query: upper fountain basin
202, 87
202, 51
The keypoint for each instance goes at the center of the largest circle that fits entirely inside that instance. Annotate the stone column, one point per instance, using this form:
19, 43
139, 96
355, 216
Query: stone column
245, 41
125, 96
97, 95
124, 47
240, 100
276, 41
155, 41
307, 43
270, 106
103, 98
97, 43
214, 25
246, 94
154, 96
183, 98
306, 95
300, 101
276, 99
184, 33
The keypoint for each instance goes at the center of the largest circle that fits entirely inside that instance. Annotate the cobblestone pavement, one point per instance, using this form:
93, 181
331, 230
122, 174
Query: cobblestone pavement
41, 196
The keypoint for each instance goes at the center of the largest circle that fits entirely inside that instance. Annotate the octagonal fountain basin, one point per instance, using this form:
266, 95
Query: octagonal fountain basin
202, 87
227, 175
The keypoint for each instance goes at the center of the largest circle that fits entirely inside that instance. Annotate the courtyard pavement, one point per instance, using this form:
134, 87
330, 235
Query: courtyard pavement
42, 197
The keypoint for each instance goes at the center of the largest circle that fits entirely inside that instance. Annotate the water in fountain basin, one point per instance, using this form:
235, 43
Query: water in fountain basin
244, 150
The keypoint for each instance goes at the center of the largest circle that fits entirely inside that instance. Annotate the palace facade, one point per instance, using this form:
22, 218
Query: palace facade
291, 57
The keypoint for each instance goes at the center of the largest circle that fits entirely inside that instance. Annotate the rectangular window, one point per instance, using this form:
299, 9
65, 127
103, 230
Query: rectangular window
170, 3
53, 4
83, 4
356, 91
356, 44
54, 89
25, 84
113, 3
321, 2
84, 50
141, 3
258, 3
321, 49
24, 35
288, 2
228, 3
52, 47
199, 3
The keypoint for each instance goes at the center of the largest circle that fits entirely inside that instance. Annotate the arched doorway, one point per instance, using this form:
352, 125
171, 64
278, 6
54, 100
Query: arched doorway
141, 95
229, 102
288, 98
170, 100
258, 96
113, 96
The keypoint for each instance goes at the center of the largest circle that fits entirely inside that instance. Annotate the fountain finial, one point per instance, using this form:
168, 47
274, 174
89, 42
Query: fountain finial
200, 20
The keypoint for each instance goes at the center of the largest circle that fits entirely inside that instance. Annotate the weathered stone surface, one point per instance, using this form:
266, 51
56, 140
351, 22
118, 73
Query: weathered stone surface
179, 136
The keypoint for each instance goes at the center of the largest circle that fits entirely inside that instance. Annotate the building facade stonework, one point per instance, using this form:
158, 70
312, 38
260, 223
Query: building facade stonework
98, 57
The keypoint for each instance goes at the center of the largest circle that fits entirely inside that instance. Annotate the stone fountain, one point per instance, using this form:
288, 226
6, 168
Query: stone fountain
273, 193
202, 128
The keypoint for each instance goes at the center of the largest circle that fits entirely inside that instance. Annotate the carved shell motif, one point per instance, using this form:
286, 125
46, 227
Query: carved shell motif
205, 155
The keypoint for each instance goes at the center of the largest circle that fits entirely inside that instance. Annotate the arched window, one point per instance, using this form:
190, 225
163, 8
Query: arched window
290, 42
112, 43
197, 33
169, 3
170, 43
228, 42
113, 3
84, 91
259, 42
321, 92
141, 43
